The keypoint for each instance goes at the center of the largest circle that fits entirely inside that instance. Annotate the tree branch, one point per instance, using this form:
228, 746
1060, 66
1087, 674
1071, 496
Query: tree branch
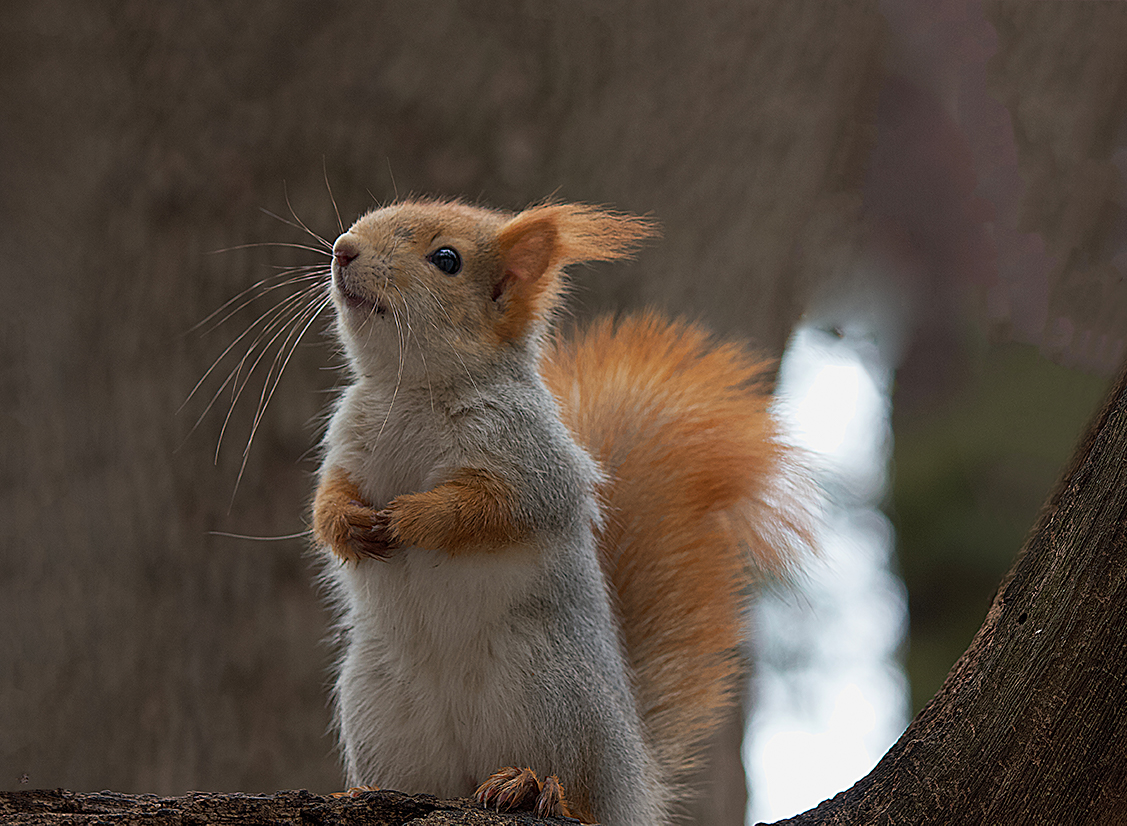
65, 808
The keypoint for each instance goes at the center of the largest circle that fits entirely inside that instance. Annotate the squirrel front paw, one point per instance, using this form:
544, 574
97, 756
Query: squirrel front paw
512, 788
347, 526
369, 534
357, 532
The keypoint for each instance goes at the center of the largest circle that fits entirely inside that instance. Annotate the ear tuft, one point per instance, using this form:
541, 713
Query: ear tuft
571, 233
538, 243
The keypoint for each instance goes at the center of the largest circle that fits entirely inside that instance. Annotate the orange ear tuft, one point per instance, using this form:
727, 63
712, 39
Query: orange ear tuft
576, 232
538, 243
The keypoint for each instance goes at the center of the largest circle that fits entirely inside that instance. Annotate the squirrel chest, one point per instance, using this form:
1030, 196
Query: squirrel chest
445, 651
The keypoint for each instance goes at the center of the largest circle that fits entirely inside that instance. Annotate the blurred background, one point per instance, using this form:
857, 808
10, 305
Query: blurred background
936, 186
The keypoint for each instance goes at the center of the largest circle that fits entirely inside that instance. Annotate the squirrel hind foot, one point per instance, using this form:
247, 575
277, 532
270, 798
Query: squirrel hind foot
516, 788
355, 791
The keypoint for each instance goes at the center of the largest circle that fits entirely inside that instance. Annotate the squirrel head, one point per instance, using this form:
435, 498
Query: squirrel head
433, 285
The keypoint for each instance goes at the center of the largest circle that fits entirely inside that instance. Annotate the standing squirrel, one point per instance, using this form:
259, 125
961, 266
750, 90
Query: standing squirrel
540, 547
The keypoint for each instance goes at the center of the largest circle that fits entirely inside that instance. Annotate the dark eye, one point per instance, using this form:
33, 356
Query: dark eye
447, 260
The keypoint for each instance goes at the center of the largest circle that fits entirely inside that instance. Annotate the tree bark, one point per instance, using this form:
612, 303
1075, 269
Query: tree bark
1029, 726
64, 808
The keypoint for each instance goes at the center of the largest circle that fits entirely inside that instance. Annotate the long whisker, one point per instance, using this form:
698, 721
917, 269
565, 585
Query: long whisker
300, 268
226, 535
289, 276
391, 175
300, 295
466, 369
301, 223
399, 374
422, 353
284, 316
426, 373
453, 345
288, 244
325, 170
304, 320
269, 316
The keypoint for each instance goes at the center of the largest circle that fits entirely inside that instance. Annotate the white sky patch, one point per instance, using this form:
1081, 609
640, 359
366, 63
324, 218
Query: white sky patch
830, 696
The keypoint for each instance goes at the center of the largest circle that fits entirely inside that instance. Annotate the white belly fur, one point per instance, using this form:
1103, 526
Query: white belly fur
430, 690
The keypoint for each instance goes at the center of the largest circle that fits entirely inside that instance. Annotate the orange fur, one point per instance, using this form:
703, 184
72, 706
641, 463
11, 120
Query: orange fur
538, 243
343, 523
519, 788
475, 510
681, 426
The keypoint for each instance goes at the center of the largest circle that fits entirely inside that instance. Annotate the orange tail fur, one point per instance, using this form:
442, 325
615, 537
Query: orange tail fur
681, 426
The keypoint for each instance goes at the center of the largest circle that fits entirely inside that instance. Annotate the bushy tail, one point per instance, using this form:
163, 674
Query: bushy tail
693, 506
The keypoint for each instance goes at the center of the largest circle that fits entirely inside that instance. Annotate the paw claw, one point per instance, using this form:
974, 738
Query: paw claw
348, 526
376, 539
550, 802
356, 791
365, 534
516, 788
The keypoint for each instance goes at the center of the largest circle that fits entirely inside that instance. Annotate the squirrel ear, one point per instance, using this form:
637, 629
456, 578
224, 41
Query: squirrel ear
529, 247
555, 235
538, 243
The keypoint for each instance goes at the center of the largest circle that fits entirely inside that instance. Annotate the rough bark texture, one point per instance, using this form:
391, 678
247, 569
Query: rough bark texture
1030, 725
64, 808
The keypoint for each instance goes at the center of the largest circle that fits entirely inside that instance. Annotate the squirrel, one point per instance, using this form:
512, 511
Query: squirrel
540, 546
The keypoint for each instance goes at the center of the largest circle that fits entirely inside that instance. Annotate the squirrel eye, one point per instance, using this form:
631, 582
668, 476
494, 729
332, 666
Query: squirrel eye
447, 260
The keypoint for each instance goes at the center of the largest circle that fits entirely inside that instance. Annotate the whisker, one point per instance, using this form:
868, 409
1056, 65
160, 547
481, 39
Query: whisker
273, 312
469, 375
422, 355
399, 374
290, 277
391, 175
284, 316
291, 342
277, 366
299, 295
453, 348
303, 321
298, 535
325, 170
301, 267
301, 223
289, 244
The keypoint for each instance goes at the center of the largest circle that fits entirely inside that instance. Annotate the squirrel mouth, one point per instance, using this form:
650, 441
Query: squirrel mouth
354, 300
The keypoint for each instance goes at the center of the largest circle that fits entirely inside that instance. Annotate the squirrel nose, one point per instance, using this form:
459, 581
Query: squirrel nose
345, 251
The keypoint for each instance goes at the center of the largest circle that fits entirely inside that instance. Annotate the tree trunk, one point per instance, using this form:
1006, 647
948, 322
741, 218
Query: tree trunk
1029, 726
